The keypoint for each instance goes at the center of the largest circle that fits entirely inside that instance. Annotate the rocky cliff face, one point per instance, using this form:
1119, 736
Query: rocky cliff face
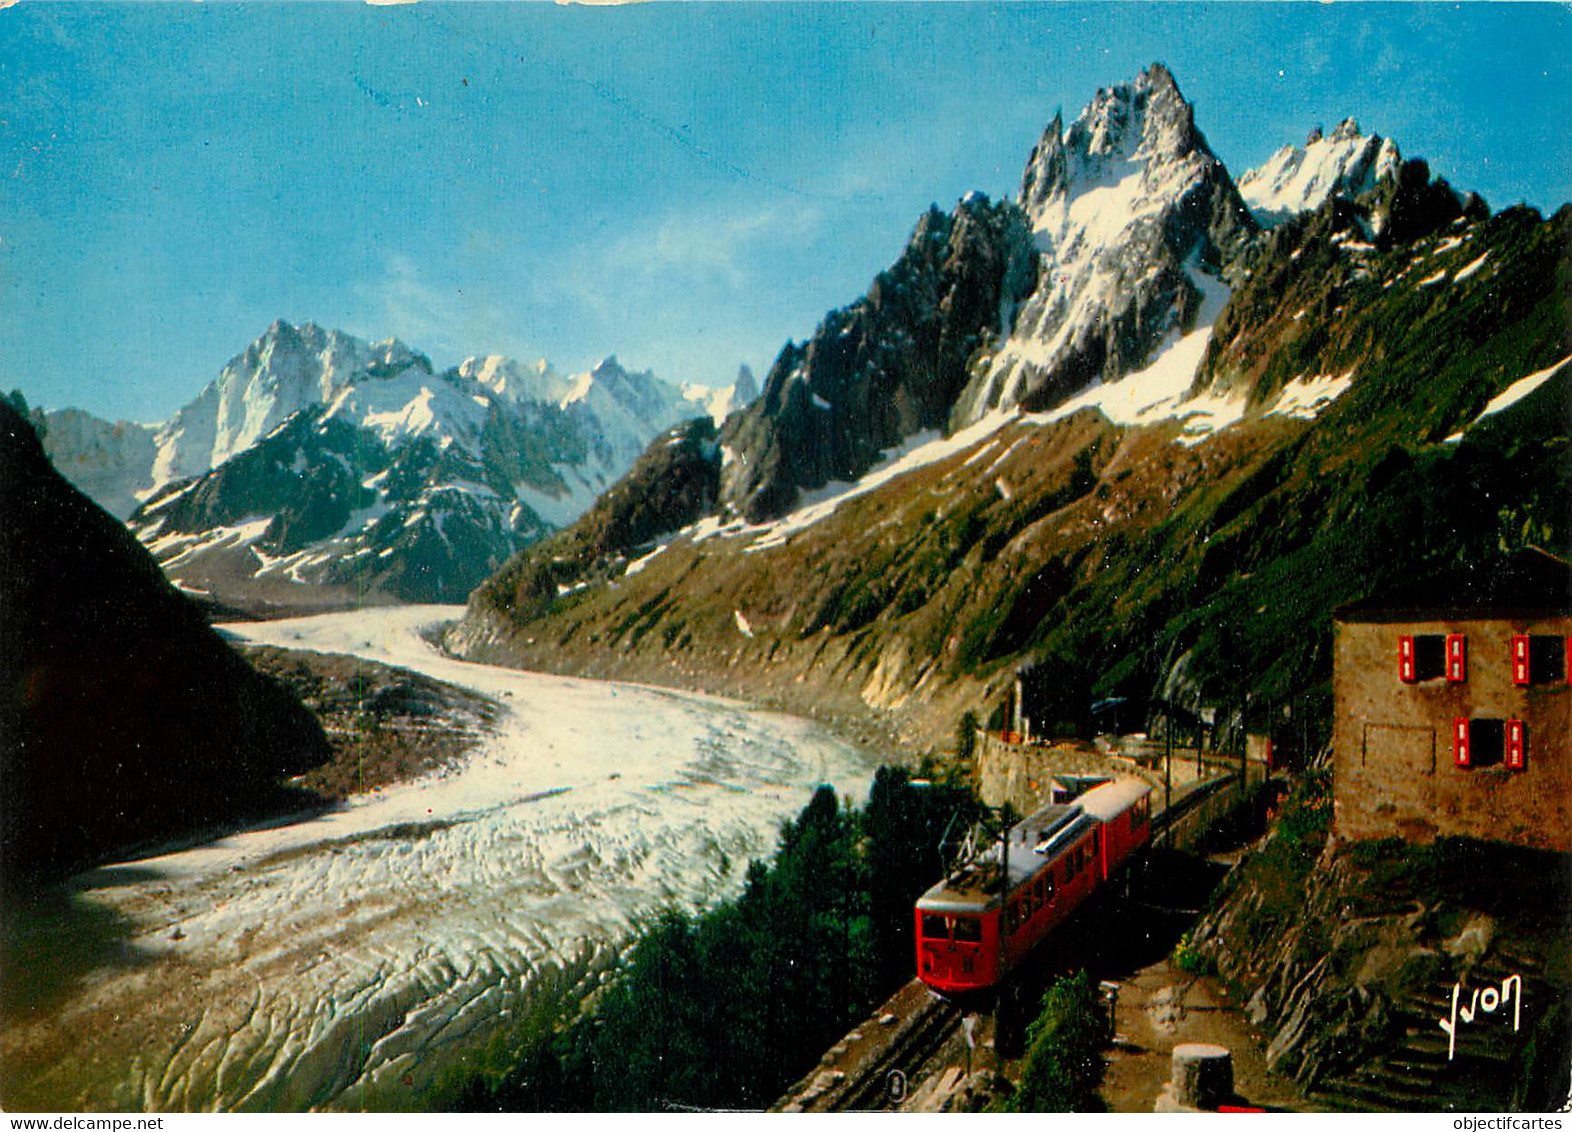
110, 462
123, 717
1347, 956
1133, 217
886, 367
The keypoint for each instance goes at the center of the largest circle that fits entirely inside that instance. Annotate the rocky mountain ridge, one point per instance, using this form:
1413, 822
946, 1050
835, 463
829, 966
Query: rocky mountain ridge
319, 468
1311, 421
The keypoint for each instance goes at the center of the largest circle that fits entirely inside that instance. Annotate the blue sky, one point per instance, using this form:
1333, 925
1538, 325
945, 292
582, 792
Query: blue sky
684, 185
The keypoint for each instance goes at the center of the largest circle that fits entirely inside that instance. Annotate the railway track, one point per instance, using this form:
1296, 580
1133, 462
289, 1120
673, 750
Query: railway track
874, 1066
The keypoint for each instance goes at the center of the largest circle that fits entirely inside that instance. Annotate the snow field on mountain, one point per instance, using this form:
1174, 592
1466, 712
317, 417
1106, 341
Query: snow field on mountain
346, 959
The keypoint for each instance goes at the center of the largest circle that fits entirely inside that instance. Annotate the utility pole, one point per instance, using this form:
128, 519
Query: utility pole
1244, 745
1168, 758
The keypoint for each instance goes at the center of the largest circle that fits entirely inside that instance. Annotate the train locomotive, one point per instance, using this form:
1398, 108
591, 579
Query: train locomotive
975, 926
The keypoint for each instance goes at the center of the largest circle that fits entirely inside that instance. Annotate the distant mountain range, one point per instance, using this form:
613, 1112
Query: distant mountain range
318, 467
1136, 432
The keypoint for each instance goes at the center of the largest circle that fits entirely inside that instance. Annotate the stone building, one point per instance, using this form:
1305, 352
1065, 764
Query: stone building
1453, 699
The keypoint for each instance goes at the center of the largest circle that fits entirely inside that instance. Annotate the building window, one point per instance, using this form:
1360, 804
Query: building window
1490, 742
1516, 744
1424, 657
1540, 659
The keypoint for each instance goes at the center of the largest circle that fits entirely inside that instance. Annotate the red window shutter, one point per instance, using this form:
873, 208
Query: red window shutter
1516, 744
1405, 659
1460, 742
1520, 660
1456, 657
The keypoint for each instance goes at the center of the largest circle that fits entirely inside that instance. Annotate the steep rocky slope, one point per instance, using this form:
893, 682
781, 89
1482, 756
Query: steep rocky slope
884, 368
1380, 387
1346, 956
123, 718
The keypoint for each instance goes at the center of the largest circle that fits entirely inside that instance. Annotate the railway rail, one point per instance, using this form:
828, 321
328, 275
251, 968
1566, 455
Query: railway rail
874, 1066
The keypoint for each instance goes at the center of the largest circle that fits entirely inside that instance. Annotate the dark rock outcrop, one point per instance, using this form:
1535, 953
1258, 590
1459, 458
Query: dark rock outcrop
123, 717
673, 484
888, 366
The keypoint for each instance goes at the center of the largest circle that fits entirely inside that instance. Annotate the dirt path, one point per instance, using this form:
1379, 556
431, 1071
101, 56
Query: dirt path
1160, 1007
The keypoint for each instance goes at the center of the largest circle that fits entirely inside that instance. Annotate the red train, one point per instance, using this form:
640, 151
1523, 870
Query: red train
972, 930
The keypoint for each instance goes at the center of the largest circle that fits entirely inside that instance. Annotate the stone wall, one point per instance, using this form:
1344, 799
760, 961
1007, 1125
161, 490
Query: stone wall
1022, 773
1394, 770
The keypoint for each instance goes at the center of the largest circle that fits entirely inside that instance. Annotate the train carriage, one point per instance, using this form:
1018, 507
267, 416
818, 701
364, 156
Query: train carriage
978, 924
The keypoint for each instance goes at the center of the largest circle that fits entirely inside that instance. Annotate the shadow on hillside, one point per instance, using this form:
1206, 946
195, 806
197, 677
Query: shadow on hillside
52, 937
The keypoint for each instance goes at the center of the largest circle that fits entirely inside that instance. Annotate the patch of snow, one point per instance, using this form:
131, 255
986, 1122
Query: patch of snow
1432, 280
918, 451
582, 384
1207, 414
638, 564
980, 453
1464, 272
743, 626
1511, 395
172, 496
1305, 397
1003, 456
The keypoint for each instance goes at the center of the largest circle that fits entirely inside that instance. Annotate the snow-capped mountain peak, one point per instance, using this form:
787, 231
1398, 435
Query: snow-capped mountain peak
1298, 179
1132, 138
721, 402
283, 371
320, 459
1123, 205
517, 381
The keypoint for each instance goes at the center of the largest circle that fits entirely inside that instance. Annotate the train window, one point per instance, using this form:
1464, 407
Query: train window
968, 929
1048, 886
1142, 811
933, 927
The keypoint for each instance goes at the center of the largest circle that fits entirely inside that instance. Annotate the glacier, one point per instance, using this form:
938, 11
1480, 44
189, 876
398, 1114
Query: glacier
346, 960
